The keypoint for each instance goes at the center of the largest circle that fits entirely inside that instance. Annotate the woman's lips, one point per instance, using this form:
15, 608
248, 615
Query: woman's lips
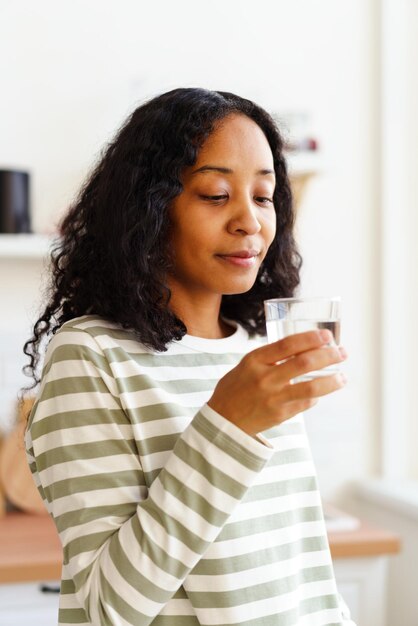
237, 260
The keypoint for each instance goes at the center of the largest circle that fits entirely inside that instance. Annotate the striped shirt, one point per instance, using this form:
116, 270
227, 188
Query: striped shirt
168, 513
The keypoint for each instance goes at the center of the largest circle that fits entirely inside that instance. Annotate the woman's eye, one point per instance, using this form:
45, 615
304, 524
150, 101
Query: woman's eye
264, 200
220, 198
213, 198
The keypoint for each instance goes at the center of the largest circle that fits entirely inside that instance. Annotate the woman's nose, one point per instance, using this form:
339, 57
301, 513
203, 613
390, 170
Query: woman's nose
244, 217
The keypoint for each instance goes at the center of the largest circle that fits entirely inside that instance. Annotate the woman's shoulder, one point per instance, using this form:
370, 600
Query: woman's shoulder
89, 323
64, 340
78, 330
94, 326
81, 336
106, 337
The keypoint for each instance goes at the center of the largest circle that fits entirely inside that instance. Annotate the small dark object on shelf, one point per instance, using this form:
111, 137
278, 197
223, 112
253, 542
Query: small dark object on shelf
49, 588
301, 145
14, 202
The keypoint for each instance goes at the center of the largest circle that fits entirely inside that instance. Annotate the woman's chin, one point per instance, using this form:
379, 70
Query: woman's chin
237, 287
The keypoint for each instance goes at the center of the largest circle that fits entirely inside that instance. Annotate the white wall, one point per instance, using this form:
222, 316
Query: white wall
71, 71
411, 303
400, 228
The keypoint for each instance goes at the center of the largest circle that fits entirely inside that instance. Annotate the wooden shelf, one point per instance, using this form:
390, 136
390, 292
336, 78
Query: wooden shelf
25, 246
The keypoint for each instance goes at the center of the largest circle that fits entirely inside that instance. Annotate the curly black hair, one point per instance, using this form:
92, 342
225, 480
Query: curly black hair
112, 257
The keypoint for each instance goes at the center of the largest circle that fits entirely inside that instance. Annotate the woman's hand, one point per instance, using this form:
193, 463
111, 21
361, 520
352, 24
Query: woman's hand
257, 393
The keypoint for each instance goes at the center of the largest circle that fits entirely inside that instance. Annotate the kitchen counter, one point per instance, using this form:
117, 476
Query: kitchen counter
365, 541
30, 549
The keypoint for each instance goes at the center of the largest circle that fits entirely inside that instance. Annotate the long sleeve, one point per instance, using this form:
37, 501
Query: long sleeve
128, 546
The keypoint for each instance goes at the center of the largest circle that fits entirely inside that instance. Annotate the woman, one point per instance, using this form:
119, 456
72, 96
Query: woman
145, 439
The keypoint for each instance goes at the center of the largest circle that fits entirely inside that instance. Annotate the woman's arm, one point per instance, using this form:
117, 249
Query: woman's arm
128, 548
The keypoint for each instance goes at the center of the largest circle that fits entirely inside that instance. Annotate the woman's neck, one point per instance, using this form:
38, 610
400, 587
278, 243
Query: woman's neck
200, 313
222, 331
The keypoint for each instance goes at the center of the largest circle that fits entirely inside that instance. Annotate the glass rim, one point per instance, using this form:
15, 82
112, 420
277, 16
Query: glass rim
307, 299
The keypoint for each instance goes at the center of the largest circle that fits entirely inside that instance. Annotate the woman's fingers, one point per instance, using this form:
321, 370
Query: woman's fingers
291, 345
308, 362
314, 388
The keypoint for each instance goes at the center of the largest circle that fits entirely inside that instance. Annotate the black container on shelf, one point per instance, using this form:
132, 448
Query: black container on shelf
14, 202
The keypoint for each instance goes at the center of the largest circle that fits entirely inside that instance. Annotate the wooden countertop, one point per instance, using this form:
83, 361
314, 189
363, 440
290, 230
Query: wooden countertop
366, 540
30, 549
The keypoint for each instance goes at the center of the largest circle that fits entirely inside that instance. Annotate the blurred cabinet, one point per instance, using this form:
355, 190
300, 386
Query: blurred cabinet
362, 582
361, 559
25, 603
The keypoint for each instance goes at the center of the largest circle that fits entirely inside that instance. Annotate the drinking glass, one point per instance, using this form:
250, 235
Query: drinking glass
287, 316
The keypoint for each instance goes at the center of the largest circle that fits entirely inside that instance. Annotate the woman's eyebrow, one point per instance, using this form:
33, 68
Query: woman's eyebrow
227, 170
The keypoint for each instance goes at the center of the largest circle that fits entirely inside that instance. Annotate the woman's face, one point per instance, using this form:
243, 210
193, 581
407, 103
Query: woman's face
225, 209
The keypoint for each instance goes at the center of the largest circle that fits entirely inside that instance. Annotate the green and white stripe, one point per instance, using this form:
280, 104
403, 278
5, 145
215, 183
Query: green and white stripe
168, 513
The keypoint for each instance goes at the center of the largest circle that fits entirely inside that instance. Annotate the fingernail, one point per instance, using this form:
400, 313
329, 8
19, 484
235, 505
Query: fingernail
343, 352
326, 335
343, 378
